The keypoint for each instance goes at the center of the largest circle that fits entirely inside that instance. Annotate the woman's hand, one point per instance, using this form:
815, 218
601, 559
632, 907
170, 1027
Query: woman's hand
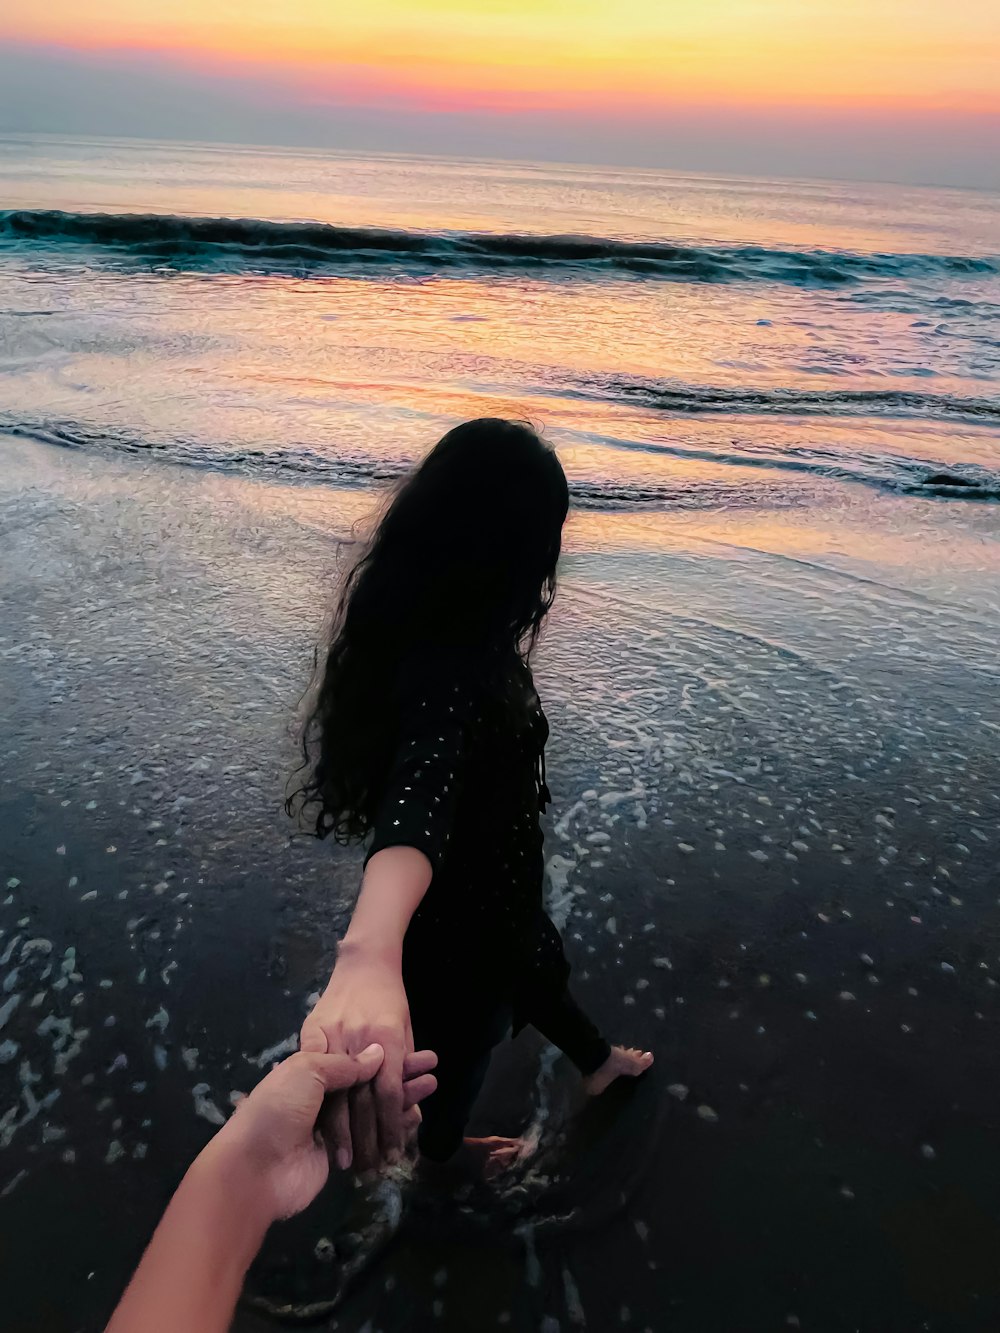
365, 1002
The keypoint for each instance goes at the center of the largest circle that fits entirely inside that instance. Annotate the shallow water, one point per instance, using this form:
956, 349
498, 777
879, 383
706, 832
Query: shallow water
771, 677
773, 847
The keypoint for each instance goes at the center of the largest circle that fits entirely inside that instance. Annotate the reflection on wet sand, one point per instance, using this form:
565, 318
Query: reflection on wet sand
773, 848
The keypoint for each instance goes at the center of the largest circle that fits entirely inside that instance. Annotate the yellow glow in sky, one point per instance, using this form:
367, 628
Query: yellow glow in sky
563, 54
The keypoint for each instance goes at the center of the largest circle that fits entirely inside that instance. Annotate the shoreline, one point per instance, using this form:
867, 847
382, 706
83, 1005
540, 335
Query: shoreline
156, 636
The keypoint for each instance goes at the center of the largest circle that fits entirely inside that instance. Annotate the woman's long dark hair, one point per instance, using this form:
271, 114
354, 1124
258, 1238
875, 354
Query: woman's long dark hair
459, 575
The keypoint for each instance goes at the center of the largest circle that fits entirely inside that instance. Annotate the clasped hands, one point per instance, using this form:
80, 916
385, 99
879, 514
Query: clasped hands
269, 1161
370, 1124
351, 1095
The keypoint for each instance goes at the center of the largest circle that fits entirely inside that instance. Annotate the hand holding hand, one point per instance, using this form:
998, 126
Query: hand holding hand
274, 1135
365, 1002
267, 1162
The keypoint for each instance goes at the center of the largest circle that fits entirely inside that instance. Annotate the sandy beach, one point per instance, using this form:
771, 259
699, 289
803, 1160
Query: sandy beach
773, 844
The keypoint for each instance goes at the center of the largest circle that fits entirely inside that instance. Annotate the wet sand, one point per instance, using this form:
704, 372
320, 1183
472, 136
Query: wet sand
774, 845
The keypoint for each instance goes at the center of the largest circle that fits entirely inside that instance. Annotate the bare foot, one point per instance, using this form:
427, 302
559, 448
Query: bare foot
476, 1159
623, 1062
493, 1154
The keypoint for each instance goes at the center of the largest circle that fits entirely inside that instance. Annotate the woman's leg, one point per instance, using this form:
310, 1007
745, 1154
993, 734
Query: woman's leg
446, 1112
559, 1018
464, 1044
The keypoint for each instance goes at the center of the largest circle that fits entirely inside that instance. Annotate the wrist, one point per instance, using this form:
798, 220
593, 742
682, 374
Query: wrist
224, 1178
359, 946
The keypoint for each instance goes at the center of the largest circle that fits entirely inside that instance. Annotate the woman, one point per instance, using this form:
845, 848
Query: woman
428, 736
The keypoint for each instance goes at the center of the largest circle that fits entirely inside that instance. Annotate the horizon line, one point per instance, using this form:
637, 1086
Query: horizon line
486, 159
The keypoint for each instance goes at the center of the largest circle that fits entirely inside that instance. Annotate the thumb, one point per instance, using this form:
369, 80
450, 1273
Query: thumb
312, 1039
344, 1071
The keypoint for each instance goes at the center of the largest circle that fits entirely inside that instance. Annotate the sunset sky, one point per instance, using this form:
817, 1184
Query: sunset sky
891, 89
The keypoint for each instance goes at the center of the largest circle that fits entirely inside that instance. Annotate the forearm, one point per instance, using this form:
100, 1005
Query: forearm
394, 884
192, 1273
365, 1001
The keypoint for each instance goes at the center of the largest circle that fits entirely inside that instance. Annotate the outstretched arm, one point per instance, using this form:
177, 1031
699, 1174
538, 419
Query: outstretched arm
266, 1163
192, 1272
365, 1000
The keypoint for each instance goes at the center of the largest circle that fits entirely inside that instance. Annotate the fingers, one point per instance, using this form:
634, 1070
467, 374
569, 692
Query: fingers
344, 1071
335, 1127
389, 1105
416, 1089
338, 1123
345, 1140
347, 1120
364, 1128
367, 1127
419, 1062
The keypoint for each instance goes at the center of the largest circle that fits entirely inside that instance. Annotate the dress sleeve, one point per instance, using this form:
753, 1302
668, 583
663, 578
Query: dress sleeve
426, 775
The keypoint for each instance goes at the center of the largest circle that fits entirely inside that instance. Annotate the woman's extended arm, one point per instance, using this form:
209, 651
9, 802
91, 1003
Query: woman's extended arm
365, 1001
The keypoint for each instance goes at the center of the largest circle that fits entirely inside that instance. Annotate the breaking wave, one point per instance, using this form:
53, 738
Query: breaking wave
258, 245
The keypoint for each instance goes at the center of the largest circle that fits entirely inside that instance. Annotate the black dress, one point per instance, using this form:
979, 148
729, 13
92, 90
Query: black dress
466, 788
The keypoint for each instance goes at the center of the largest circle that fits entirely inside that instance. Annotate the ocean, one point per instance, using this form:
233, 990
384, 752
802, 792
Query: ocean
771, 674
687, 341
